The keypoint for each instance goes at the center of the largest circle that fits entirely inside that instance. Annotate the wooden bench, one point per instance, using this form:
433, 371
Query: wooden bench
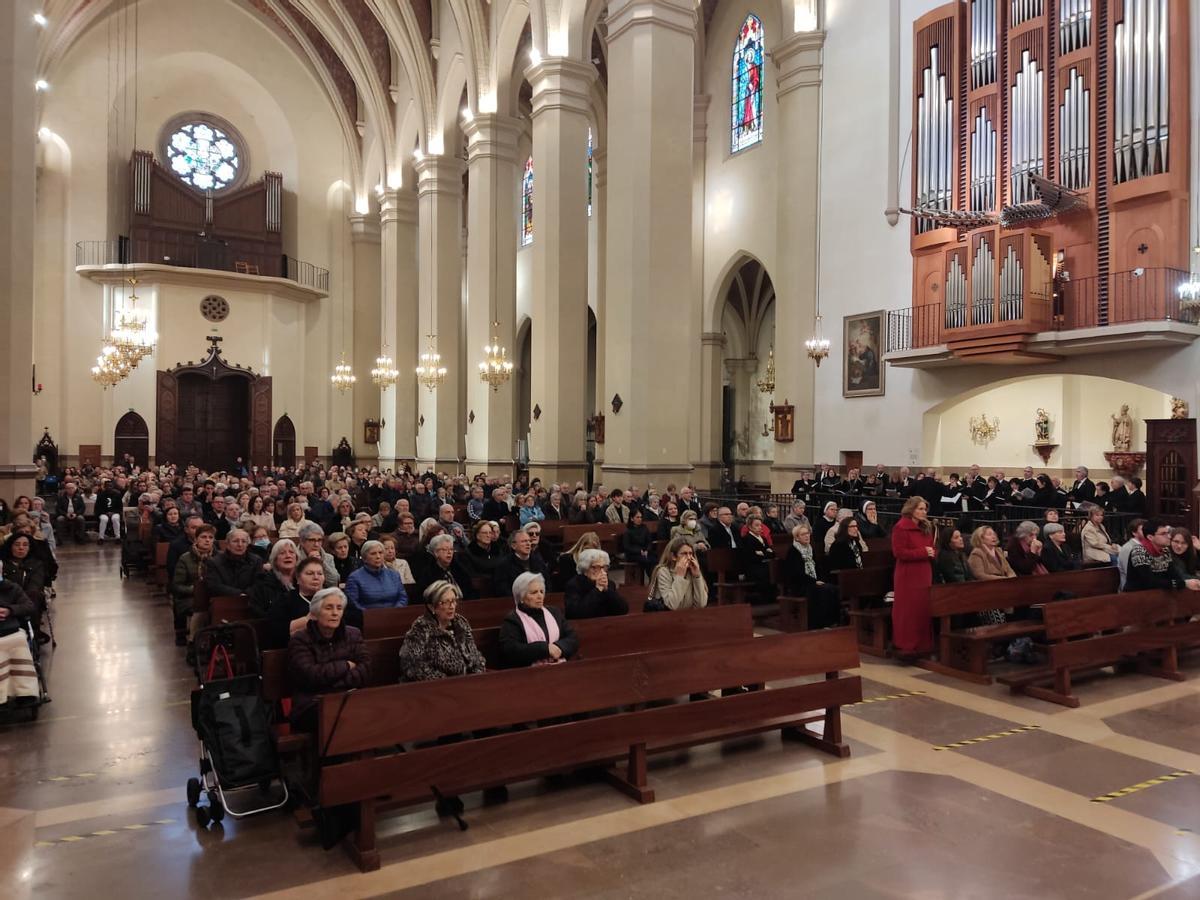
872, 622
963, 652
723, 564
609, 534
368, 725
1093, 632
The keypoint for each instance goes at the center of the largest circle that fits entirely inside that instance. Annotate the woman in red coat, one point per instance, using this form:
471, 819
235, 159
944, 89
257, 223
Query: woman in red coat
912, 545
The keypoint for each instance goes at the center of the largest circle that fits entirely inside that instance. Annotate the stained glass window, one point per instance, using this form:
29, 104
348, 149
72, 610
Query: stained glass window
527, 204
203, 156
589, 171
746, 114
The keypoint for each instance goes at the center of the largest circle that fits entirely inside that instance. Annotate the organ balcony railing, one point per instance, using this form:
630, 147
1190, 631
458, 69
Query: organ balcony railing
1141, 295
196, 252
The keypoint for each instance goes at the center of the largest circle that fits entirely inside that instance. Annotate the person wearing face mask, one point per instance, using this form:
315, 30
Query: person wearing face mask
260, 546
232, 571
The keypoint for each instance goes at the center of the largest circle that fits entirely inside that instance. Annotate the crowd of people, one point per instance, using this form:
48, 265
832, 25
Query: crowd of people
313, 548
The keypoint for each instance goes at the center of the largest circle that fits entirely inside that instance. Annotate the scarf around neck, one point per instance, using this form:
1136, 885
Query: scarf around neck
1149, 546
534, 633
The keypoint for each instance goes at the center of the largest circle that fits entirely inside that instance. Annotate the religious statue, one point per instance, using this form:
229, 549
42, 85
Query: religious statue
1179, 408
1122, 430
1041, 426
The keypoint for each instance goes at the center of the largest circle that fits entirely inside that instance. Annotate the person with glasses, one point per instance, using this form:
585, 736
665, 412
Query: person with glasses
440, 643
590, 594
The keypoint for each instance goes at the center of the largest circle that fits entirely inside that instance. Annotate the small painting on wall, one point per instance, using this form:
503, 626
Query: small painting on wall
862, 355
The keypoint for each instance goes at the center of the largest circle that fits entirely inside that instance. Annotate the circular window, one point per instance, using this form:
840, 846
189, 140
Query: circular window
214, 308
204, 152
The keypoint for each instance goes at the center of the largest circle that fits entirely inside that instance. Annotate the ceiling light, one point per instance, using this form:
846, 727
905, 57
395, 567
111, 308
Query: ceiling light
40, 20
42, 84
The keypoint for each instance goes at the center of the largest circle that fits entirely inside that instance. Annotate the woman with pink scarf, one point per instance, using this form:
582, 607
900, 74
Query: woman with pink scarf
534, 634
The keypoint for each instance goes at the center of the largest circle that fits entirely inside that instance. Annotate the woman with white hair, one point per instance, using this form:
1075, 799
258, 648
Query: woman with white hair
275, 589
373, 585
326, 655
443, 563
590, 594
290, 527
534, 634
440, 643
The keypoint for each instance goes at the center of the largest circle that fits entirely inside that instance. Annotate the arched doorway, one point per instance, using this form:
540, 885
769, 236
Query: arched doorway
748, 327
212, 413
132, 438
284, 442
523, 376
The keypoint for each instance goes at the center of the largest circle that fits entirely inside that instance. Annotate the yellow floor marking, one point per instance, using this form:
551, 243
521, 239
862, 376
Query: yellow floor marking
1140, 786
883, 697
988, 737
103, 832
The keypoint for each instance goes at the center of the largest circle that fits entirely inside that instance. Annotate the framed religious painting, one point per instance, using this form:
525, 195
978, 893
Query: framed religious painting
862, 355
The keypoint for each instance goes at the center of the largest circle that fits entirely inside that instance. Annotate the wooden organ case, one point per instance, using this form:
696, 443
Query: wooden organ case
172, 223
1090, 95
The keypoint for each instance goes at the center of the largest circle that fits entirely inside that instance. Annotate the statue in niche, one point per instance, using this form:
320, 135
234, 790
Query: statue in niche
1041, 427
1179, 408
1122, 430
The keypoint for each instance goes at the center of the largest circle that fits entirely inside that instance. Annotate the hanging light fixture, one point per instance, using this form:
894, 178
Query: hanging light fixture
495, 368
343, 377
384, 375
131, 334
817, 345
766, 384
431, 372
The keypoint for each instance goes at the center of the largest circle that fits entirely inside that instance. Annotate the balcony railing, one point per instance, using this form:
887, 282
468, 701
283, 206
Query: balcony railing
1138, 295
194, 254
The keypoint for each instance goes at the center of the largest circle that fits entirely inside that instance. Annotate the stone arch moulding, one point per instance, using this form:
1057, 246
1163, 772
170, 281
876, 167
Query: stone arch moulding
214, 369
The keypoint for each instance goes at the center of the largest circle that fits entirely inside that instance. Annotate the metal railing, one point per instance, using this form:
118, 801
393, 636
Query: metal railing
200, 253
911, 329
1137, 295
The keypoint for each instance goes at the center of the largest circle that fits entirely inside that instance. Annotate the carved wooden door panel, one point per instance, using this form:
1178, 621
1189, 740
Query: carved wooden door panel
260, 421
166, 447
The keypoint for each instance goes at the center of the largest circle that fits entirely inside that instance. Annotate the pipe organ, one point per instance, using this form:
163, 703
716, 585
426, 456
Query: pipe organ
1016, 104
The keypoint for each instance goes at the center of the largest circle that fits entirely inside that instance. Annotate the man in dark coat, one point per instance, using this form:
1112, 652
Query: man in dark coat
232, 571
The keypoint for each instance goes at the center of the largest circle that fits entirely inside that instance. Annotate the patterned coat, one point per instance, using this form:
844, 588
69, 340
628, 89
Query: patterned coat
429, 652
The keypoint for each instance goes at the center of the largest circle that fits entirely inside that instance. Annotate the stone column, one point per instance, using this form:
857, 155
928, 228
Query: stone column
798, 122
18, 178
651, 334
439, 191
708, 470
559, 310
398, 319
365, 240
491, 285
705, 404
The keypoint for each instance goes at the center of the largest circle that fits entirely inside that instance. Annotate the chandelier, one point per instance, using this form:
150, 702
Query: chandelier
495, 368
131, 334
110, 369
817, 346
431, 372
766, 384
343, 376
384, 374
983, 430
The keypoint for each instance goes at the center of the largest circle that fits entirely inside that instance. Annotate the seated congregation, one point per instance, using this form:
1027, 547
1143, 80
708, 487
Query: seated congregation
375, 595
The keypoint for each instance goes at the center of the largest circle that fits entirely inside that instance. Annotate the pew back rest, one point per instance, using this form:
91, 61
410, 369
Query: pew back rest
229, 609
1085, 616
867, 582
387, 716
977, 596
617, 635
385, 668
486, 613
609, 534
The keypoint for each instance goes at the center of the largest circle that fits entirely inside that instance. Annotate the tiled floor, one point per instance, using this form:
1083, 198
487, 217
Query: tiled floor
104, 767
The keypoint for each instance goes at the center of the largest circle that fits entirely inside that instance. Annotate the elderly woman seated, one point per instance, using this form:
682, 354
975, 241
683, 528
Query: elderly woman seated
534, 634
22, 568
288, 612
590, 594
440, 643
443, 563
373, 585
290, 527
326, 655
20, 686
277, 585
344, 562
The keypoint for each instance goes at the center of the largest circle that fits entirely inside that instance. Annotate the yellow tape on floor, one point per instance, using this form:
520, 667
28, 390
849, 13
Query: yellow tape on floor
1141, 786
883, 697
988, 737
104, 832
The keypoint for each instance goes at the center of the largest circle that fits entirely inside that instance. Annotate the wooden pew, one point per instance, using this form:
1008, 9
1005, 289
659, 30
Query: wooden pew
963, 653
486, 613
609, 534
161, 549
723, 564
1092, 632
368, 724
872, 621
229, 609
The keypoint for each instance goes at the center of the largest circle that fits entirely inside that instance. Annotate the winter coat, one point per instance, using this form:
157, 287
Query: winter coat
318, 665
429, 652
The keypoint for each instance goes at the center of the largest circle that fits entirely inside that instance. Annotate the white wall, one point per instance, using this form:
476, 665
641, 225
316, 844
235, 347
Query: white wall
248, 76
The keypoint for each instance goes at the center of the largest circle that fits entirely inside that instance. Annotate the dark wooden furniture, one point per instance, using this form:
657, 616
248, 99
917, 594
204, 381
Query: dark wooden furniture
963, 652
487, 612
1171, 470
367, 725
1092, 632
862, 591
